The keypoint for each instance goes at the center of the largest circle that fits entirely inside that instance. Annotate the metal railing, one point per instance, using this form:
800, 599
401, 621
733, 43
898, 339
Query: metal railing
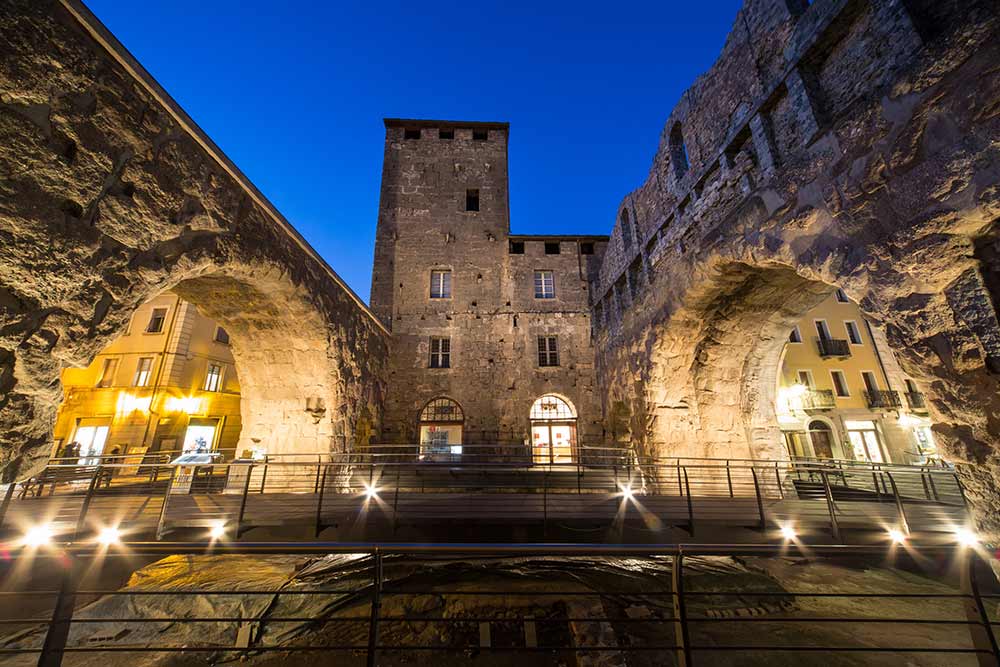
393, 483
833, 347
644, 601
883, 398
818, 399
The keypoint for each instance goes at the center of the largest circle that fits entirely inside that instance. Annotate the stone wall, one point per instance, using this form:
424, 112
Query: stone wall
846, 143
109, 195
492, 319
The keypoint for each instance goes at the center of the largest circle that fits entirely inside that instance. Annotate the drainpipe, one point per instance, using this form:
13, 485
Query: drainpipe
159, 370
878, 354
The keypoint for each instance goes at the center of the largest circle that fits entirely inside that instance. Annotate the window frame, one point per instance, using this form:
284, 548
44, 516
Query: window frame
864, 381
225, 333
472, 198
553, 248
144, 373
810, 380
107, 379
540, 274
207, 385
834, 373
409, 132
162, 320
824, 331
440, 358
445, 282
548, 351
841, 296
851, 328
795, 335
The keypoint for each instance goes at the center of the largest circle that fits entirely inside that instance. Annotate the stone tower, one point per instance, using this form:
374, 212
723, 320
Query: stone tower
449, 279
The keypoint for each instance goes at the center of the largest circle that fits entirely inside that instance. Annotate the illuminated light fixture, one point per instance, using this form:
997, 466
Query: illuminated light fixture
370, 491
896, 536
128, 403
218, 531
797, 390
108, 536
189, 405
37, 536
788, 533
627, 492
966, 537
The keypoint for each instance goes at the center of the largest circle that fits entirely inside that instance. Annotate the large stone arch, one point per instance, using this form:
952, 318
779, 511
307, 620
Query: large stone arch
885, 183
110, 195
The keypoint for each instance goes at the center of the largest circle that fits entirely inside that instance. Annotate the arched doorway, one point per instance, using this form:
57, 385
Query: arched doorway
553, 430
821, 438
441, 423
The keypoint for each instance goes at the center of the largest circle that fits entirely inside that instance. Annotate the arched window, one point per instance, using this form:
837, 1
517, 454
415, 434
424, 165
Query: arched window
441, 423
553, 430
678, 151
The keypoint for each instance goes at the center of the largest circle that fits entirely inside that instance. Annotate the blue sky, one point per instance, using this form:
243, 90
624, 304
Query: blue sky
295, 93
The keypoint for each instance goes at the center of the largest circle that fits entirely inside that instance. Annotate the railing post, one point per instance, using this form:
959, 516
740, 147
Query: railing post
930, 479
161, 524
760, 501
243, 502
903, 524
981, 630
319, 503
777, 478
681, 634
834, 524
729, 479
263, 476
54, 646
81, 519
687, 488
680, 488
6, 501
376, 607
316, 483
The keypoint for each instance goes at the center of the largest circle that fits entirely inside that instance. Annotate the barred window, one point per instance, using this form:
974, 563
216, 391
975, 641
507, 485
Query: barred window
440, 284
545, 286
440, 353
548, 354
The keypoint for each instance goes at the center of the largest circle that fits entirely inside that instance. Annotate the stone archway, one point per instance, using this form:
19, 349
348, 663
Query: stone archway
111, 195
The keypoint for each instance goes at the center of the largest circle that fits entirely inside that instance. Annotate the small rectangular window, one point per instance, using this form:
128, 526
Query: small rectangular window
795, 336
853, 333
480, 135
842, 296
552, 247
411, 133
517, 247
871, 385
822, 330
545, 287
472, 200
839, 384
586, 248
213, 377
446, 133
221, 336
548, 355
142, 372
108, 369
440, 284
156, 320
440, 353
806, 378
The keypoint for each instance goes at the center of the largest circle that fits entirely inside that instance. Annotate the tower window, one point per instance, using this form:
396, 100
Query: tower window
545, 286
517, 247
156, 320
440, 284
480, 135
548, 354
586, 248
552, 248
213, 377
440, 353
446, 133
410, 133
472, 200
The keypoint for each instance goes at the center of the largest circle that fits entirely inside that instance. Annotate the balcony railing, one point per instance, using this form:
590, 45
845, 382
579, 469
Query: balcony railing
833, 347
916, 400
818, 399
882, 398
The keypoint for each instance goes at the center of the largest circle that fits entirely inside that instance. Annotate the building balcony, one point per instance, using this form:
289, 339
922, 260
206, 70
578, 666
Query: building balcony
833, 347
818, 399
883, 399
916, 400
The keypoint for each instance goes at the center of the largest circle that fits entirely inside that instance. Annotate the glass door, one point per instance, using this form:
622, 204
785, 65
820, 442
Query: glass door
91, 440
865, 443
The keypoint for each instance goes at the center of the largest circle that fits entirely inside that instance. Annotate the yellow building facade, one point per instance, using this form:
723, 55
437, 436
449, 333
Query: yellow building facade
842, 394
168, 384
